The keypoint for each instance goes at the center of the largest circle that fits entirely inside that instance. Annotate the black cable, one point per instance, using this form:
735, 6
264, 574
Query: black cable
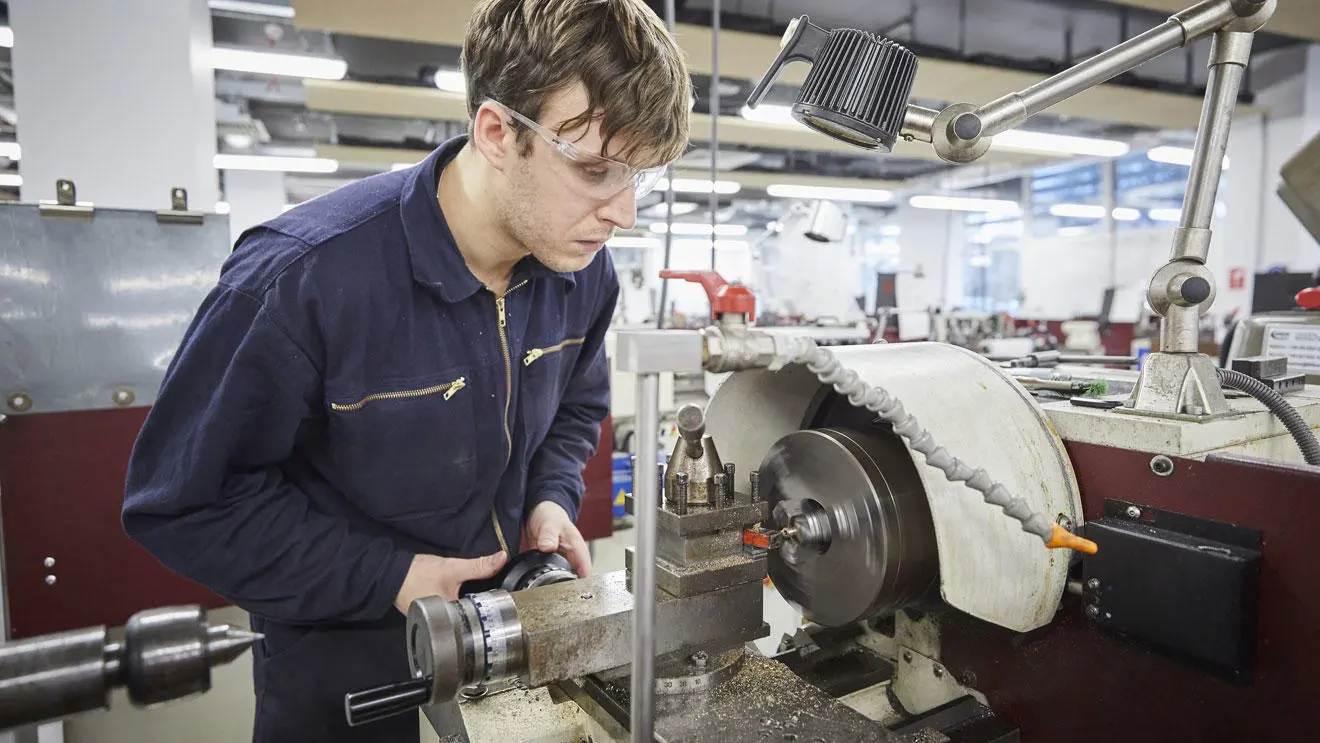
1301, 432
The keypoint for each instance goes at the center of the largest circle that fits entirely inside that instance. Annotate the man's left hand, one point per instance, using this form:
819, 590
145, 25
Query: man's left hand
549, 529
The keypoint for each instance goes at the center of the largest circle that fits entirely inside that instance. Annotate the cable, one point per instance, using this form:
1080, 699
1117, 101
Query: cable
829, 370
1301, 432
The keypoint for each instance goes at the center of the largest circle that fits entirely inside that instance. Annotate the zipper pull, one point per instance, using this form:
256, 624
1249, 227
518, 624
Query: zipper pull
499, 307
455, 386
533, 355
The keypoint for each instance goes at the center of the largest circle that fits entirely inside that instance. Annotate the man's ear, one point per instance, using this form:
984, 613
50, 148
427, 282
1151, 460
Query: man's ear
493, 137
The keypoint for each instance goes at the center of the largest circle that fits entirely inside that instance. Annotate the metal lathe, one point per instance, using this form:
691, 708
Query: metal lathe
975, 560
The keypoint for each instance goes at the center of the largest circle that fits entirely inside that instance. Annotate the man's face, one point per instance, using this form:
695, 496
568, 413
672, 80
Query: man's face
544, 203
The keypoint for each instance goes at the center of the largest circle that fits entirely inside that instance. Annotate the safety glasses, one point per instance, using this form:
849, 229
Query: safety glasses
592, 174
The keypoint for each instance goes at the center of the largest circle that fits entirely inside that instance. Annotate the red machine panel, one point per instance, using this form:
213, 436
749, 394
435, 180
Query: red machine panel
1071, 682
62, 479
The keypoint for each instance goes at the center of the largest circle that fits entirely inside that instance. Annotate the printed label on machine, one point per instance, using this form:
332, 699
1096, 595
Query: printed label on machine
1300, 343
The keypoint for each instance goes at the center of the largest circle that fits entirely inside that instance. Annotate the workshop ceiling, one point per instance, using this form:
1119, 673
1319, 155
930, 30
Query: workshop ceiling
1299, 19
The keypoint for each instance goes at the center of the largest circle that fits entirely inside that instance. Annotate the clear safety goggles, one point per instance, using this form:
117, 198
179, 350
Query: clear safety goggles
594, 175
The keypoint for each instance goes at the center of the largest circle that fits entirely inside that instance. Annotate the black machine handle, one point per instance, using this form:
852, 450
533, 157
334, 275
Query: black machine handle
370, 705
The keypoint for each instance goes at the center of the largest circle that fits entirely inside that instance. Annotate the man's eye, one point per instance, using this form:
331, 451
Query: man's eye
595, 174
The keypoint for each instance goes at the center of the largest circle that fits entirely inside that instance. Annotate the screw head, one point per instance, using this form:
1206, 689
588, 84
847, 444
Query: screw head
50, 580
1133, 512
907, 656
700, 658
49, 562
1093, 584
585, 596
20, 402
1065, 522
939, 672
123, 397
1092, 611
1161, 465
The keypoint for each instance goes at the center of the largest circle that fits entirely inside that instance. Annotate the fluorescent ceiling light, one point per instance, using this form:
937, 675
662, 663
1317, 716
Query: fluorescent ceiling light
771, 114
690, 185
1175, 156
1059, 144
633, 242
238, 140
1126, 214
705, 244
892, 230
11, 180
276, 163
857, 195
1165, 215
6, 37
222, 207
963, 204
11, 150
251, 8
680, 208
1078, 211
274, 63
697, 228
450, 80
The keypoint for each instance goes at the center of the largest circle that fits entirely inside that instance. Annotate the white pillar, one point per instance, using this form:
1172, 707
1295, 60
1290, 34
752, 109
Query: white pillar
923, 266
254, 197
116, 96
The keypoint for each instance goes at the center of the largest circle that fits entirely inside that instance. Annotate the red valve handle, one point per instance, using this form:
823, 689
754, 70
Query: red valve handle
724, 297
1309, 299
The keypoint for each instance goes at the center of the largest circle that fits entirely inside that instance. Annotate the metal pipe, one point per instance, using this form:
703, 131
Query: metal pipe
918, 122
645, 506
1011, 110
1228, 58
671, 20
714, 123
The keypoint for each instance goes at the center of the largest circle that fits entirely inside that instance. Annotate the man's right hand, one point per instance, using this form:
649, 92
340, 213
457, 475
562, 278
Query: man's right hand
441, 576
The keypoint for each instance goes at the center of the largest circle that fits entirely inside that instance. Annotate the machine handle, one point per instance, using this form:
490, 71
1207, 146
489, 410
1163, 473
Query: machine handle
724, 296
370, 705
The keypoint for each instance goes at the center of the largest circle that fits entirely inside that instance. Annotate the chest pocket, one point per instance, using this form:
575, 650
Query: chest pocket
546, 370
407, 449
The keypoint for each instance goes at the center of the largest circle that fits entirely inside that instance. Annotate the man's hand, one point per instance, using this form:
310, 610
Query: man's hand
441, 576
549, 529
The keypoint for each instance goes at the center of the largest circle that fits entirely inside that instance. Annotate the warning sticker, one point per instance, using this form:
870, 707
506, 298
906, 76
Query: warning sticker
1300, 343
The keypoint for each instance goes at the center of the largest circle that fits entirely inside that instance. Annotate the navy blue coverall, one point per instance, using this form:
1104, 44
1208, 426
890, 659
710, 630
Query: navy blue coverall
348, 396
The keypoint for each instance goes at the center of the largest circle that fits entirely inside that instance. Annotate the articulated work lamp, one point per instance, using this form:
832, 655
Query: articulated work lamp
858, 90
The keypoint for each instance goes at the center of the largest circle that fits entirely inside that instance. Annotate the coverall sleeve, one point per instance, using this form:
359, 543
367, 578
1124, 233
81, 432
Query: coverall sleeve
206, 494
556, 469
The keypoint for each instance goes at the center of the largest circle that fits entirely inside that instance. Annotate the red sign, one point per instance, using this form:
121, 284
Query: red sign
1237, 279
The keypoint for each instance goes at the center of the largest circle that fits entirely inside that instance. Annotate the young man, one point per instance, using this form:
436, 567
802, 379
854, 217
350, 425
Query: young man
394, 381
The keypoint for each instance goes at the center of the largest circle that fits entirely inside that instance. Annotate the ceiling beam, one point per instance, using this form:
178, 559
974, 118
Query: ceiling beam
746, 56
384, 157
1299, 19
376, 99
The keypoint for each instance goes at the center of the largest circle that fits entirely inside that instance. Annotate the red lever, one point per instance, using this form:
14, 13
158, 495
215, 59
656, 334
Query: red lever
724, 297
1309, 299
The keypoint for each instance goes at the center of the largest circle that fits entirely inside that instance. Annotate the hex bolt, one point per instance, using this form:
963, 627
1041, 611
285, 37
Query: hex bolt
680, 505
730, 482
1161, 465
939, 672
1133, 512
721, 489
1092, 611
1093, 584
754, 477
699, 659
907, 656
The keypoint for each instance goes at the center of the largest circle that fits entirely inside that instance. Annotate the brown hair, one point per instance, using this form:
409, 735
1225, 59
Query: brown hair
521, 52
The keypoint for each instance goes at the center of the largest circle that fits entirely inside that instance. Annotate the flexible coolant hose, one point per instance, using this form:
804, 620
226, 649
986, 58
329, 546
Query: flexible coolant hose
829, 370
1271, 399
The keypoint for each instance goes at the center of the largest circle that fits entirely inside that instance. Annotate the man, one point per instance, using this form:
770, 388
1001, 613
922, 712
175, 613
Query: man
389, 381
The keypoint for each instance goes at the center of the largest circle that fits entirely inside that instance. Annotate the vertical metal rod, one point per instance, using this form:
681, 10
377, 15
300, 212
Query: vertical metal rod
714, 122
1221, 96
730, 479
754, 483
646, 505
720, 487
681, 483
671, 19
